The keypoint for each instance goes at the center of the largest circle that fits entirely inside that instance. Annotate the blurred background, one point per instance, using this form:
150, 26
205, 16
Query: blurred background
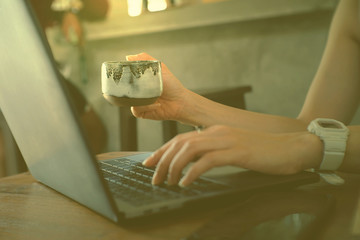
264, 52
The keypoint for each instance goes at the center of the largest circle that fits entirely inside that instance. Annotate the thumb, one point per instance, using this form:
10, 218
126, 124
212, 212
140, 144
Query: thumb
140, 56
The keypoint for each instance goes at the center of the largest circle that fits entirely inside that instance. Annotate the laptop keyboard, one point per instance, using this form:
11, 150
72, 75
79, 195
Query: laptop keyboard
131, 181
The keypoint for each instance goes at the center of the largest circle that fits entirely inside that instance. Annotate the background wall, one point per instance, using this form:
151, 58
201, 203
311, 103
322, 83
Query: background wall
276, 55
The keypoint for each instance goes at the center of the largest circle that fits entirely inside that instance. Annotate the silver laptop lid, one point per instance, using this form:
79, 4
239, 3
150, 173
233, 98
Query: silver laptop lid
39, 114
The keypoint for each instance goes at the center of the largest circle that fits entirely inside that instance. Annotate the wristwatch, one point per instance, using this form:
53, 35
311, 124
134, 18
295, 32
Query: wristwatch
334, 135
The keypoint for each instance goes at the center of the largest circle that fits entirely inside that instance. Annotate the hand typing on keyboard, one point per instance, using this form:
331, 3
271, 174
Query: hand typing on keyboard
221, 145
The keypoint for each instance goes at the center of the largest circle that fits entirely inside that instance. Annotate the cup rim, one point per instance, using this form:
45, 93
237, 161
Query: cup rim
125, 63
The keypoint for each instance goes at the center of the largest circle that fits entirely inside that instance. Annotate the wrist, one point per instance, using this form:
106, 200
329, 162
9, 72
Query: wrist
193, 111
186, 112
312, 149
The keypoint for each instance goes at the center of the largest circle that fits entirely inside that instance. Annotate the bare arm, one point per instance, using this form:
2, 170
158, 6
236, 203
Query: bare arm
199, 111
335, 91
334, 94
351, 162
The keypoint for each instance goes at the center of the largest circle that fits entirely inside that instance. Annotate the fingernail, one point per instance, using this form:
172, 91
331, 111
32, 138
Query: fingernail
129, 56
145, 162
182, 183
153, 180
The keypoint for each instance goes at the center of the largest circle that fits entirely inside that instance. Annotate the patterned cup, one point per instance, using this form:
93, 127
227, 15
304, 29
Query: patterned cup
131, 83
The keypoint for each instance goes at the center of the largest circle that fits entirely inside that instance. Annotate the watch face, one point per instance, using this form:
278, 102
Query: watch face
330, 125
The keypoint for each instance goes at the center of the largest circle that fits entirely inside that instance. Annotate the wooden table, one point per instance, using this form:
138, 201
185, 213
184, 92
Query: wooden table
30, 210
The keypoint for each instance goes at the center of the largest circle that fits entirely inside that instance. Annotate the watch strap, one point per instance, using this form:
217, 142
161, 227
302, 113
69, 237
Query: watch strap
331, 160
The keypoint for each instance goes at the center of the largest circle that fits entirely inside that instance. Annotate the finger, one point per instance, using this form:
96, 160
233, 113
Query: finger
191, 149
205, 163
156, 156
171, 148
140, 56
163, 165
141, 111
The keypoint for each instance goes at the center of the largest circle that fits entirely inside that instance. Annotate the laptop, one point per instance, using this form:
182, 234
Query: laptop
35, 103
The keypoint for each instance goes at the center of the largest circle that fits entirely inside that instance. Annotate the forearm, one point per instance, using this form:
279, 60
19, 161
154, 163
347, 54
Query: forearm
199, 111
351, 161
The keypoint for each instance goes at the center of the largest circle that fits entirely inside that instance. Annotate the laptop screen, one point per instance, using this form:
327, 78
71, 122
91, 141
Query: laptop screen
39, 113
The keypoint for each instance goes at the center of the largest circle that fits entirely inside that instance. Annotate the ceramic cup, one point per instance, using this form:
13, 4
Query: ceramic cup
131, 83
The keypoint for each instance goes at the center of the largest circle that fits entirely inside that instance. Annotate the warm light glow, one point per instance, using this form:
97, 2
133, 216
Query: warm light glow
156, 5
134, 7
